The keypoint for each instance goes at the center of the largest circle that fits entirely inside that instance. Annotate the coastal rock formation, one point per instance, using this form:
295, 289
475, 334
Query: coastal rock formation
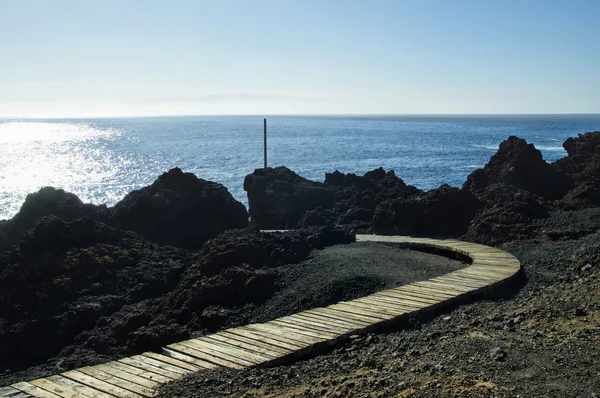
279, 198
519, 164
507, 214
583, 165
179, 209
442, 211
83, 291
46, 202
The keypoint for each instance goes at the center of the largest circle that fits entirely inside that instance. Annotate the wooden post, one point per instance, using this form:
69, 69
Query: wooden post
265, 121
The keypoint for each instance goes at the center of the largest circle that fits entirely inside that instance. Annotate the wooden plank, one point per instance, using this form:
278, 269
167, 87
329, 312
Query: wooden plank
266, 338
186, 358
320, 333
398, 307
135, 362
379, 308
457, 290
345, 315
402, 299
81, 388
33, 390
203, 356
269, 353
353, 312
246, 353
139, 372
172, 361
118, 382
323, 324
298, 321
161, 365
433, 292
254, 342
466, 282
408, 293
322, 318
99, 384
61, 391
335, 315
11, 392
126, 376
285, 333
210, 349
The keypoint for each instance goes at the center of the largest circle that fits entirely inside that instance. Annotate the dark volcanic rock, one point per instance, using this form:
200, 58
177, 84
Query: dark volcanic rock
583, 165
506, 215
76, 293
521, 165
442, 211
179, 209
279, 198
47, 201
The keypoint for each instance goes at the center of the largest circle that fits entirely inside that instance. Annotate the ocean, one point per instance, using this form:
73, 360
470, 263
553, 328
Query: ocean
101, 160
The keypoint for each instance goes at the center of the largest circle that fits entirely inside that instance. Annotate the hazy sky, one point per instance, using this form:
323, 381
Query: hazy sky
119, 57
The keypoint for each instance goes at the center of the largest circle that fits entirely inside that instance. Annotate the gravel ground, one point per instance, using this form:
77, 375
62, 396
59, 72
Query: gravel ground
538, 337
346, 272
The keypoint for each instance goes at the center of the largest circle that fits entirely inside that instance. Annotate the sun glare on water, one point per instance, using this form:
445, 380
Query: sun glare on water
64, 155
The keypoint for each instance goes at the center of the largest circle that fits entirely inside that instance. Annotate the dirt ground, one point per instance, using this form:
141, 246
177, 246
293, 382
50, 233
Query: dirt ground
537, 337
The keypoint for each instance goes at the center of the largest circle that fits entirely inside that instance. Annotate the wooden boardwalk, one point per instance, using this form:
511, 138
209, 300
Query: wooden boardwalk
283, 339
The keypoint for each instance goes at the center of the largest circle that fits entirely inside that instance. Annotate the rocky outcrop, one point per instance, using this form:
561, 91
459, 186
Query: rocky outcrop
442, 211
179, 209
519, 164
507, 213
583, 165
279, 198
46, 202
84, 292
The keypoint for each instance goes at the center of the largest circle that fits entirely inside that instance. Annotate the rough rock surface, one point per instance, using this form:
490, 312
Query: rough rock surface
279, 198
82, 292
519, 164
179, 209
442, 211
583, 165
47, 201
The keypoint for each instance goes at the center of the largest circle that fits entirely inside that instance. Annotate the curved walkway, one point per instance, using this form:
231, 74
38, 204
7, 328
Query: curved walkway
283, 339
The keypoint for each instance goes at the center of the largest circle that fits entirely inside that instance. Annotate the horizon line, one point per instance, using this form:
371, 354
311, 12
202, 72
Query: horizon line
112, 116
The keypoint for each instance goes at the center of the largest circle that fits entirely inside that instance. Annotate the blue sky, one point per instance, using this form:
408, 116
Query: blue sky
96, 58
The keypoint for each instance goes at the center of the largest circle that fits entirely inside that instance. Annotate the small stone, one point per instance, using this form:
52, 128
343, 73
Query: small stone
497, 354
580, 312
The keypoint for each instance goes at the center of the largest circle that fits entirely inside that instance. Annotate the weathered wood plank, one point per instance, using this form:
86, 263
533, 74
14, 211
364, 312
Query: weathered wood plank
336, 316
203, 356
256, 343
309, 330
189, 359
118, 382
265, 338
11, 392
61, 391
267, 353
136, 362
285, 333
99, 384
161, 365
139, 372
327, 319
81, 388
323, 325
142, 381
172, 361
229, 355
33, 390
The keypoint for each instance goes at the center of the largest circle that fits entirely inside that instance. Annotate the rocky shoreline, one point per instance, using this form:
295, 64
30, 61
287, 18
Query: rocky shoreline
82, 284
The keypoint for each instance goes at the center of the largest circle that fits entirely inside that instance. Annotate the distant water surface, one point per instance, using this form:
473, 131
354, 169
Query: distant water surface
101, 160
